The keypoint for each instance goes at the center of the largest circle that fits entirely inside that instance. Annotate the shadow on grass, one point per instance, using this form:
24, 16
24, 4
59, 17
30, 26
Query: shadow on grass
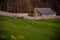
56, 36
4, 35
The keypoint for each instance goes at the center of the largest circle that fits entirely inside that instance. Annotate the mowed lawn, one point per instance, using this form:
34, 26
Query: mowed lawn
20, 29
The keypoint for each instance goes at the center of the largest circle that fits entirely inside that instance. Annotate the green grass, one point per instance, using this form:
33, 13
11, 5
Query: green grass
20, 29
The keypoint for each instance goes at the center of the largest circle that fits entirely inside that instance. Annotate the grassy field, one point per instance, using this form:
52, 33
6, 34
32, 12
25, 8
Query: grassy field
20, 29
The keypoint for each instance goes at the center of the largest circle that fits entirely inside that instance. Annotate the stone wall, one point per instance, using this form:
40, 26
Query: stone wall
13, 14
25, 16
49, 16
40, 17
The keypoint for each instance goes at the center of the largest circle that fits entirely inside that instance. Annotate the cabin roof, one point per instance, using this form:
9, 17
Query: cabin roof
45, 11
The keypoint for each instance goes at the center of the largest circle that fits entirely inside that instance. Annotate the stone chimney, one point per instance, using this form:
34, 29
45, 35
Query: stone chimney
35, 12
